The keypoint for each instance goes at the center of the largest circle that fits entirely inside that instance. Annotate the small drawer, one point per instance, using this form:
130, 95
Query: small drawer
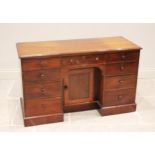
71, 60
121, 69
92, 59
42, 63
41, 75
48, 90
42, 107
84, 59
119, 97
120, 82
123, 56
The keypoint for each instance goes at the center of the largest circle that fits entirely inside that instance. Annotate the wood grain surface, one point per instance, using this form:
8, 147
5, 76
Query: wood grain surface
64, 47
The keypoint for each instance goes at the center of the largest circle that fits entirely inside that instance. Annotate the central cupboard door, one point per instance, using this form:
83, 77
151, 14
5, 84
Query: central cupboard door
79, 86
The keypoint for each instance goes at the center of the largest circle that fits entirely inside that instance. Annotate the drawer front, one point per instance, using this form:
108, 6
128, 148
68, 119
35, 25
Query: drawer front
85, 59
120, 82
41, 75
121, 69
36, 64
49, 90
42, 107
119, 97
123, 56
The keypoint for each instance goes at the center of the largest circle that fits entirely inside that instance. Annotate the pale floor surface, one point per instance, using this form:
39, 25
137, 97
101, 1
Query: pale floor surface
141, 120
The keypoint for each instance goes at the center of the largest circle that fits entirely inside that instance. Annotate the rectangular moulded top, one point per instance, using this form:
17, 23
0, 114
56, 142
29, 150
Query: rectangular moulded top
74, 46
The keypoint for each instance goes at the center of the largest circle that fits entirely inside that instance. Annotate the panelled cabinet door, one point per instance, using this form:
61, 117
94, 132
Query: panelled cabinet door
79, 86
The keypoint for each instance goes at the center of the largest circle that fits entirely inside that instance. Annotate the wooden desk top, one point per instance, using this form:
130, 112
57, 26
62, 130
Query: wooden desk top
68, 47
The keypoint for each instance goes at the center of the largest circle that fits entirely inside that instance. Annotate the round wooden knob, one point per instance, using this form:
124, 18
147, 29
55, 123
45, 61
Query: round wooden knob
120, 97
42, 91
122, 68
43, 63
97, 58
121, 81
42, 75
123, 56
65, 86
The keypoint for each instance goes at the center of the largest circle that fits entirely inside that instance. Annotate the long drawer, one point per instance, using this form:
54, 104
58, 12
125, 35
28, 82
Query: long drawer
121, 68
120, 82
83, 59
38, 107
47, 90
41, 75
122, 56
119, 97
40, 63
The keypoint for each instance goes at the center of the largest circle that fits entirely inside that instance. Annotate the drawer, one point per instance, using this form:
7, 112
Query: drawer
42, 63
123, 56
42, 107
41, 75
119, 97
48, 90
120, 82
85, 59
121, 69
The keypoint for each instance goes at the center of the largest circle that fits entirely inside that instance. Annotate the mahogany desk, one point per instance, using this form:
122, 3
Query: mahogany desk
74, 75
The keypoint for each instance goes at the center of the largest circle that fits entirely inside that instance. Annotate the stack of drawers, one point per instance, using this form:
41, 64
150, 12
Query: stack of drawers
120, 82
42, 91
